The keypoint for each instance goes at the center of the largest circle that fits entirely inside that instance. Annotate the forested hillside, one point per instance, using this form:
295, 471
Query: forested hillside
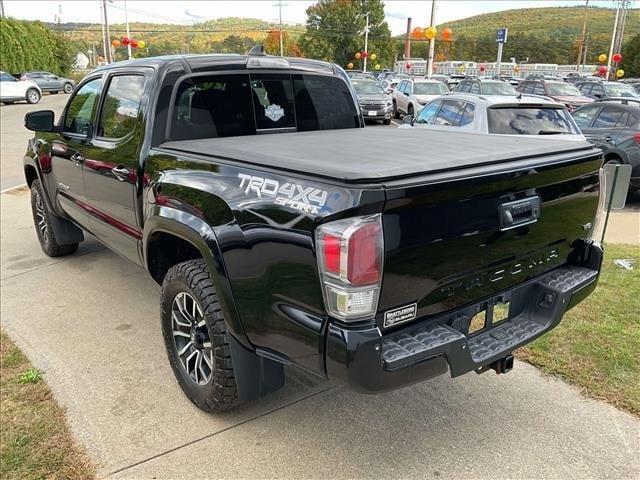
544, 35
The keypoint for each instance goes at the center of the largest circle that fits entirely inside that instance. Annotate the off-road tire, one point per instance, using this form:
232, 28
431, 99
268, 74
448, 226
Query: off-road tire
220, 392
33, 96
42, 222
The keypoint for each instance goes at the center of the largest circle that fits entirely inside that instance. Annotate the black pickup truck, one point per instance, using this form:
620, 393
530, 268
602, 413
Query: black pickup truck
284, 233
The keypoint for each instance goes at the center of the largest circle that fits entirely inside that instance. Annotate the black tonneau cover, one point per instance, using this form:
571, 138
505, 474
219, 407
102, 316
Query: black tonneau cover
376, 154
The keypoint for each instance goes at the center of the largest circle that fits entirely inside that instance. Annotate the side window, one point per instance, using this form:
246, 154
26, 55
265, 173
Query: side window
634, 121
623, 120
5, 77
608, 118
585, 88
79, 113
527, 88
584, 116
539, 89
475, 88
449, 114
401, 86
468, 112
597, 90
428, 113
121, 106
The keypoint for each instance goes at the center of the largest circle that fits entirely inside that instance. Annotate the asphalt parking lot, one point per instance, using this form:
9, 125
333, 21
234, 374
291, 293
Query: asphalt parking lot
91, 323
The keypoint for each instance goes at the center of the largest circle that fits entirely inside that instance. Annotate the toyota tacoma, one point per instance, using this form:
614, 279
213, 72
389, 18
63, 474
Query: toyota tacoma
284, 233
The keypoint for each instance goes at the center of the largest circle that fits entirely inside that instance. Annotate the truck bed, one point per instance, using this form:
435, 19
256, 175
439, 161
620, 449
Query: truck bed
375, 154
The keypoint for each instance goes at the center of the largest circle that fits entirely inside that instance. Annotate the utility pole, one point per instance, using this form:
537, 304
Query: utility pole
104, 43
586, 48
613, 40
1, 9
280, 5
366, 42
126, 21
624, 5
582, 37
107, 35
432, 42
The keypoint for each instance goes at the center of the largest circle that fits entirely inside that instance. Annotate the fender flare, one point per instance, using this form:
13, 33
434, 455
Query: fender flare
201, 235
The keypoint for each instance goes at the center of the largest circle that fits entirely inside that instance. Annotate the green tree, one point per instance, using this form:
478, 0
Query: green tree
631, 57
335, 32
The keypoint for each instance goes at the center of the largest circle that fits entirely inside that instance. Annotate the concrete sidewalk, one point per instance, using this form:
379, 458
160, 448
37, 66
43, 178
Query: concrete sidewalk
91, 323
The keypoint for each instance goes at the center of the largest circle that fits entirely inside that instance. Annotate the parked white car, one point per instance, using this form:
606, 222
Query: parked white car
496, 114
13, 90
412, 93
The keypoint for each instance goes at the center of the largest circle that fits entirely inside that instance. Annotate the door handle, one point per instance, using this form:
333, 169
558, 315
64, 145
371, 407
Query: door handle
121, 173
77, 158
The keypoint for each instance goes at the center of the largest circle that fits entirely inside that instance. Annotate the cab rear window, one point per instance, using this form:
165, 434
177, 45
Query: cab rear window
246, 104
529, 121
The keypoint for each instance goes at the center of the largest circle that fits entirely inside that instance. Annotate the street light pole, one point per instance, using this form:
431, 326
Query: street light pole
582, 37
366, 42
432, 42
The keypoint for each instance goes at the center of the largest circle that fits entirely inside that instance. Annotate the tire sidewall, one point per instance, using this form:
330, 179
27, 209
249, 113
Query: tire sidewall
36, 190
199, 394
28, 96
68, 88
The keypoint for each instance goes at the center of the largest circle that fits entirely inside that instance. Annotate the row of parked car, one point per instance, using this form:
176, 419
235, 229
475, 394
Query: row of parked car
30, 86
537, 106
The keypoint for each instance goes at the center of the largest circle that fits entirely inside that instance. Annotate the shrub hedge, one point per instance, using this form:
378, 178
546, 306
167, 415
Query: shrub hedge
26, 45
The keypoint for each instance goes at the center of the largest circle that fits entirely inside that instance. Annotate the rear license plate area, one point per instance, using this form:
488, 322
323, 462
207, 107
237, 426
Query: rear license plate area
489, 314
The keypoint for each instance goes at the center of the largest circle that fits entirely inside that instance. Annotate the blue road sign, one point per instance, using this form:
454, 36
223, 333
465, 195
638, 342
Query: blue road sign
501, 35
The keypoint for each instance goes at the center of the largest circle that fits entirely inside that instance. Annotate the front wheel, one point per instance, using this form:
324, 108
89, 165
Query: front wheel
43, 224
68, 88
33, 96
410, 111
387, 121
195, 337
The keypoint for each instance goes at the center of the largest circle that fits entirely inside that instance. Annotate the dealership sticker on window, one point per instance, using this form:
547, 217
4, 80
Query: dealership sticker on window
274, 112
400, 315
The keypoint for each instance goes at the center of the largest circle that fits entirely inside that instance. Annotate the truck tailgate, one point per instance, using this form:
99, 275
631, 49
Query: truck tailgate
456, 238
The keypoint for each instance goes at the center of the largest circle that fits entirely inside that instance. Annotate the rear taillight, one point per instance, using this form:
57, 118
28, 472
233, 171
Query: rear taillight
636, 137
350, 256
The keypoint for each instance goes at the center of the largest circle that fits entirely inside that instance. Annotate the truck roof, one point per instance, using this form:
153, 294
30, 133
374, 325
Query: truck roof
231, 61
372, 155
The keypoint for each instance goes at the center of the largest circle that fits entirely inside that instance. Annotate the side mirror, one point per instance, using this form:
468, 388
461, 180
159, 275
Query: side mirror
407, 120
40, 121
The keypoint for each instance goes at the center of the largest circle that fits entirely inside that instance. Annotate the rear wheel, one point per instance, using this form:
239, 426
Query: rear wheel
396, 114
54, 93
410, 110
33, 96
68, 88
195, 337
43, 224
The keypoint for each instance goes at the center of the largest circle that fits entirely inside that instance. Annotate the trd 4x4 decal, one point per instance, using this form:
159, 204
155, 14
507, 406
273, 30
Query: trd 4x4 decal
292, 195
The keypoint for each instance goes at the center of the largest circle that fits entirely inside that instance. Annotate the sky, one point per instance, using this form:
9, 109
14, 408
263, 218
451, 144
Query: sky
187, 12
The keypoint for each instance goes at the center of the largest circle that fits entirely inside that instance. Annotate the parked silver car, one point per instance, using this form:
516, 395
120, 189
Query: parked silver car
497, 114
412, 93
48, 82
14, 90
374, 102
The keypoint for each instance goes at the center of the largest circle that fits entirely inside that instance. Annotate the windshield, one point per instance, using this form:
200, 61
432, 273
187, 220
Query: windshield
621, 90
497, 88
563, 89
367, 87
429, 88
529, 121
